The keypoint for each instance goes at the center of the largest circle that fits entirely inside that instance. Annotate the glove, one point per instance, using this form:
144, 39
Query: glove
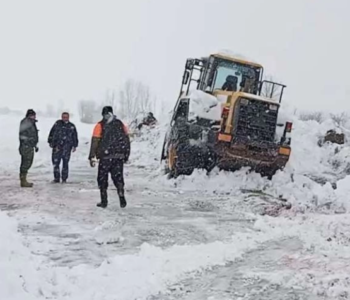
92, 162
74, 149
36, 149
51, 146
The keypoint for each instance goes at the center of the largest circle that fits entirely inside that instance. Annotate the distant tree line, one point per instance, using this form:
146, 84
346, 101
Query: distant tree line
131, 100
54, 111
7, 111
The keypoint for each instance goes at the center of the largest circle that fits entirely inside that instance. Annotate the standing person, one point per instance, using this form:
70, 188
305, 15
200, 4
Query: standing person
63, 139
28, 143
111, 145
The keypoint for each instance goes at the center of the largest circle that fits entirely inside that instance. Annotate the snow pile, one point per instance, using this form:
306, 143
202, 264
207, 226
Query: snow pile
203, 105
235, 55
323, 265
306, 181
146, 147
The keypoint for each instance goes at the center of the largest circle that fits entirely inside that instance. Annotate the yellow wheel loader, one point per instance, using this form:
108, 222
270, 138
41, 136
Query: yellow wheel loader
226, 116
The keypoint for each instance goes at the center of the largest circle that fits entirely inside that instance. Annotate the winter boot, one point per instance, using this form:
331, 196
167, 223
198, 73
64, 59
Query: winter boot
120, 188
55, 181
104, 201
122, 201
24, 182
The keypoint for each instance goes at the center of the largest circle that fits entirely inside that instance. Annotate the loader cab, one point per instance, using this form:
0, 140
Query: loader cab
231, 74
220, 73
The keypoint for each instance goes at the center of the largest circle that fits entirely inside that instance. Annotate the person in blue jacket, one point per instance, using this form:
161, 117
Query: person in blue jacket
63, 139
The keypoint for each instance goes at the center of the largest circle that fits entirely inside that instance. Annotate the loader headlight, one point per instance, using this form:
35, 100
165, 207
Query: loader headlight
284, 151
289, 126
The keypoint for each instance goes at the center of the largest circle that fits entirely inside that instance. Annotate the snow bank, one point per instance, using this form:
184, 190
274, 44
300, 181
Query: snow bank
146, 147
20, 276
323, 266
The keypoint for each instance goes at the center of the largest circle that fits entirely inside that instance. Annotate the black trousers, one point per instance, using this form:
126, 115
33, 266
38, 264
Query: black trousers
116, 168
59, 155
27, 157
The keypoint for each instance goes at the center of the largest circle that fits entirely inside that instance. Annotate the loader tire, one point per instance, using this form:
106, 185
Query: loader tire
179, 161
268, 174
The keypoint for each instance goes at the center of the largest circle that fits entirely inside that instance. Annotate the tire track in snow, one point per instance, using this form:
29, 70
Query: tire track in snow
231, 281
153, 269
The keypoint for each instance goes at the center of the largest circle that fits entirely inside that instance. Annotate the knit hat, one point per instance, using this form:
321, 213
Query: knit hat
107, 110
30, 112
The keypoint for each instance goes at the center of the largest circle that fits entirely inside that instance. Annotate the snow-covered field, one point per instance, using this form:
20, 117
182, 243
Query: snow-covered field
223, 236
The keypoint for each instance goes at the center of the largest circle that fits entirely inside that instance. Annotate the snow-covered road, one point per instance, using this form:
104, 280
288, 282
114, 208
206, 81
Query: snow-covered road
192, 238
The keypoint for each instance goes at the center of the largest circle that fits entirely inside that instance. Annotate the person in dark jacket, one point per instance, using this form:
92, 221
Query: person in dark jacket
28, 143
63, 139
110, 144
149, 120
230, 83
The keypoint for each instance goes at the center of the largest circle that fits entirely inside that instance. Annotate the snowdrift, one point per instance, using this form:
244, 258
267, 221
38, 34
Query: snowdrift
20, 276
307, 182
204, 106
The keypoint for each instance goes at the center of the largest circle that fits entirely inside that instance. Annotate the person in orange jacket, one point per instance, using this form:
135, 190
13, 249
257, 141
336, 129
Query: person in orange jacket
110, 144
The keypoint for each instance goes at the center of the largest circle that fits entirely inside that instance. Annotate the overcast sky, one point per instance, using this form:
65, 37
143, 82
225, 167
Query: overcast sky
74, 49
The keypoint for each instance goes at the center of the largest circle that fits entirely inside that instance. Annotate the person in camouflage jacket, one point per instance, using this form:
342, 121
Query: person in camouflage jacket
28, 143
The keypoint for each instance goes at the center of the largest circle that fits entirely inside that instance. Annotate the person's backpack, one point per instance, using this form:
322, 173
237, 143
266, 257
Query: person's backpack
114, 141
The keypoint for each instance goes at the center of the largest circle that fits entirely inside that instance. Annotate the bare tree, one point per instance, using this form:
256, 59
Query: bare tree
135, 98
340, 119
88, 111
313, 116
60, 107
4, 110
50, 111
110, 99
